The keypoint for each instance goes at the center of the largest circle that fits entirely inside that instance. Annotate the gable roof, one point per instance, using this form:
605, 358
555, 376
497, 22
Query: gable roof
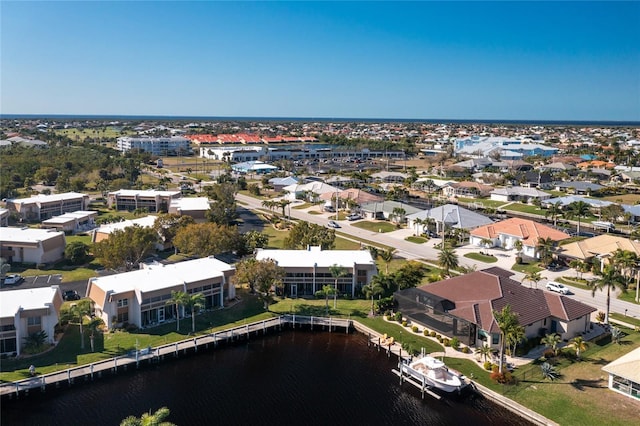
476, 295
526, 230
627, 366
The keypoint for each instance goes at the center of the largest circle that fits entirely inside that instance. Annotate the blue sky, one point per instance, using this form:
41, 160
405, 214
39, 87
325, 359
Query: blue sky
449, 60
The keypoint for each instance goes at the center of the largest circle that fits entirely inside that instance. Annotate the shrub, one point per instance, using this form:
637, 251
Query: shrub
404, 323
549, 353
414, 328
398, 316
519, 260
446, 342
488, 365
502, 378
425, 332
389, 317
432, 334
455, 343
439, 337
466, 350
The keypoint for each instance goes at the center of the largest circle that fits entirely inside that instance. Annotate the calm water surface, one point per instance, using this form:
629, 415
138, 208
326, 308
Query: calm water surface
293, 378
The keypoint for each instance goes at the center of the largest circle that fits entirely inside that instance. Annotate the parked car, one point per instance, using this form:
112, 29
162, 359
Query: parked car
329, 209
354, 216
557, 287
71, 295
13, 279
333, 224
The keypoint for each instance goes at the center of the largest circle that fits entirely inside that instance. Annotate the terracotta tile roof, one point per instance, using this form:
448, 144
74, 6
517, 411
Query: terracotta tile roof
527, 230
476, 295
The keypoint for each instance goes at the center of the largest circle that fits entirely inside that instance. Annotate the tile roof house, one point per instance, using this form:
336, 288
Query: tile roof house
506, 232
463, 307
518, 193
601, 245
466, 189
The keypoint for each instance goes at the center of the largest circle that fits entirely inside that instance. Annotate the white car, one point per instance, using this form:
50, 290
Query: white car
557, 287
333, 224
13, 279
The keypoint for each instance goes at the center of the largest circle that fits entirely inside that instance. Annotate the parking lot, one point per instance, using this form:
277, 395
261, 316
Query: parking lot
35, 282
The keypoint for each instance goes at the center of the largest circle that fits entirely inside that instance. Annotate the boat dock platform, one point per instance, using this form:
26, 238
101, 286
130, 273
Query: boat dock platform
149, 355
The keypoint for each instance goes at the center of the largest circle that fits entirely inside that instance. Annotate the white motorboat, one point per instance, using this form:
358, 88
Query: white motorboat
434, 373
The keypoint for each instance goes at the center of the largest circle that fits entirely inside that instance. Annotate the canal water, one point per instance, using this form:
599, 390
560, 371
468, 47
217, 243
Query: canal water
291, 378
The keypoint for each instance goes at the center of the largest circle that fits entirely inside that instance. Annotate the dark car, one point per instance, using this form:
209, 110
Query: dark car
71, 295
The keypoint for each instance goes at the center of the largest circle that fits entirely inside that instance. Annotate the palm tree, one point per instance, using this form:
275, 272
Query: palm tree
579, 344
283, 204
576, 264
545, 249
609, 279
486, 242
417, 222
387, 256
554, 211
194, 302
80, 310
518, 246
552, 341
624, 261
326, 291
577, 209
149, 419
371, 290
178, 299
336, 271
515, 337
534, 277
507, 321
448, 259
485, 351
397, 215
374, 251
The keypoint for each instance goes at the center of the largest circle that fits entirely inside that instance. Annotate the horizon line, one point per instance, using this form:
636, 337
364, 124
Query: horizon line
326, 118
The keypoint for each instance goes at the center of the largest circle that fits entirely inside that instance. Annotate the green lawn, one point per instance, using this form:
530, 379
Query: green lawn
527, 268
627, 319
481, 257
417, 240
376, 226
525, 208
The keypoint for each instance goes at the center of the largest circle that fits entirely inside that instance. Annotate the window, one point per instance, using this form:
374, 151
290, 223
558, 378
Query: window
123, 317
33, 321
123, 303
495, 339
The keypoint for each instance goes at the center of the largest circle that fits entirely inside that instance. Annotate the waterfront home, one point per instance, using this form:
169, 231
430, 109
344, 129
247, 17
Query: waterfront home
505, 233
624, 374
151, 200
467, 189
463, 307
27, 311
577, 187
140, 297
27, 245
307, 271
352, 197
71, 223
40, 207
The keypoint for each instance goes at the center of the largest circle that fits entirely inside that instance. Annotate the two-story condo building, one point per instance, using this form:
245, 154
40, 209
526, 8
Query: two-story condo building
41, 207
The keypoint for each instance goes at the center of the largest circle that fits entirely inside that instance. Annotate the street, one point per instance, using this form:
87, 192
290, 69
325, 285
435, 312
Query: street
429, 253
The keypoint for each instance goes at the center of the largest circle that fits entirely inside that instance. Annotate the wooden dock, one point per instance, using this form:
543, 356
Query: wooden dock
135, 358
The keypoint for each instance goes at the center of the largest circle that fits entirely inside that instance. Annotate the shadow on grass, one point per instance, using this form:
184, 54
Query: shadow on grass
580, 384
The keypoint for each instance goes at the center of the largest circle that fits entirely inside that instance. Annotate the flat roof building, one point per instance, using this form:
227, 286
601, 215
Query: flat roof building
26, 245
70, 223
27, 311
140, 297
41, 207
307, 271
132, 199
161, 146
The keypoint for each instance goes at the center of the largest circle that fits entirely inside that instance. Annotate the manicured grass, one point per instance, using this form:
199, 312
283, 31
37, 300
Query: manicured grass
525, 208
344, 244
630, 199
86, 239
481, 257
526, 268
363, 241
571, 281
629, 296
484, 202
417, 240
302, 206
627, 319
376, 226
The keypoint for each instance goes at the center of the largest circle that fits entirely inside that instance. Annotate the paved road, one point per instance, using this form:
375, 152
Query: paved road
428, 252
